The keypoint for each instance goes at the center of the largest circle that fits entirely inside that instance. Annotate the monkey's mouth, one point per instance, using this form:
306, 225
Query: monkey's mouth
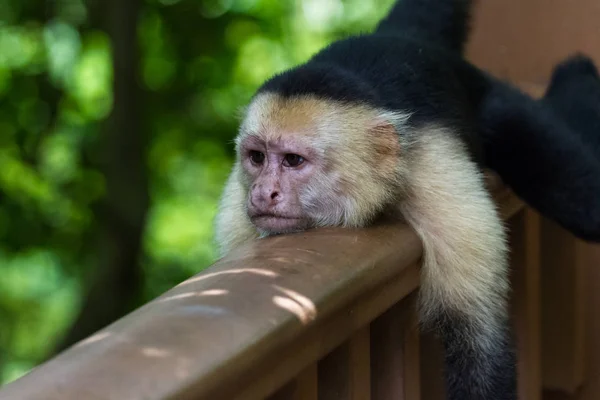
277, 223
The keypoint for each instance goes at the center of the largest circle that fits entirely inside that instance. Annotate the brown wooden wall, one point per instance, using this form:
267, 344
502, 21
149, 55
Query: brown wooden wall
522, 39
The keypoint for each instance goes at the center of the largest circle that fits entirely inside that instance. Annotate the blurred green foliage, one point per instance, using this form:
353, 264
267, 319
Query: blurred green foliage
200, 62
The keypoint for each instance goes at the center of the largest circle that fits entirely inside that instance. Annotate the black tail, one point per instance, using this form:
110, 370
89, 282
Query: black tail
443, 22
480, 361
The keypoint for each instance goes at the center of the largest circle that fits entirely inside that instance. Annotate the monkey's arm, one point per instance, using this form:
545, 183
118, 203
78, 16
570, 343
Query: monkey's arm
574, 95
232, 225
548, 153
465, 273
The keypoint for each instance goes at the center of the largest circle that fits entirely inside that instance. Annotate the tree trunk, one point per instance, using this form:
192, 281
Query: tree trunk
121, 216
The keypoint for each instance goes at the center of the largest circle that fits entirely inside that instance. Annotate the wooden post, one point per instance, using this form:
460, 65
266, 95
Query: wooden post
395, 363
303, 387
525, 262
563, 314
344, 373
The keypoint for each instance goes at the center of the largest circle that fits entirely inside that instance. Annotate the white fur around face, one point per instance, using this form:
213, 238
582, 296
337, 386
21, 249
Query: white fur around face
360, 163
232, 225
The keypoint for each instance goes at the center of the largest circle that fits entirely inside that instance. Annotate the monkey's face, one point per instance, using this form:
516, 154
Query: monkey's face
277, 171
308, 162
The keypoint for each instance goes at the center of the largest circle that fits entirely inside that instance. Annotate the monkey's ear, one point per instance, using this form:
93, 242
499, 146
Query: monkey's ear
386, 141
386, 148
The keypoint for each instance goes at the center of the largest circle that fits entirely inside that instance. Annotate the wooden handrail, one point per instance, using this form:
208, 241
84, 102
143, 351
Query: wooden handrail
246, 325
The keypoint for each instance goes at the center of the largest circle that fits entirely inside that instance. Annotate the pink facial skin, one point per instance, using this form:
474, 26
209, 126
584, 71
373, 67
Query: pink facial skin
278, 170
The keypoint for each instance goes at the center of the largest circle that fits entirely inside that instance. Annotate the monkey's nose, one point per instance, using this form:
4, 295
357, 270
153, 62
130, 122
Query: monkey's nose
271, 197
265, 198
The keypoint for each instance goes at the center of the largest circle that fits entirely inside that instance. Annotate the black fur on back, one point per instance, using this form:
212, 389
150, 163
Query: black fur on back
445, 23
324, 80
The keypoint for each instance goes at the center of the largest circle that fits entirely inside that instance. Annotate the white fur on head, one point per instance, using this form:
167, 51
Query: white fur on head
359, 147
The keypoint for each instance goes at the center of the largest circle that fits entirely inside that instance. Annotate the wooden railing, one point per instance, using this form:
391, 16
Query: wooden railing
327, 314
243, 327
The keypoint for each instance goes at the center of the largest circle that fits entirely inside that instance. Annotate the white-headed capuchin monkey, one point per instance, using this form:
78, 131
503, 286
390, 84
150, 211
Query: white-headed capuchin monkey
397, 121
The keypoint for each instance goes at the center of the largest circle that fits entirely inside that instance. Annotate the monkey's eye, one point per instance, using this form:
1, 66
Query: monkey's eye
292, 160
257, 157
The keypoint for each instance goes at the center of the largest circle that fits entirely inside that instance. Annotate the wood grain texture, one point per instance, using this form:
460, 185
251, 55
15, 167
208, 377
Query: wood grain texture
564, 261
590, 389
525, 263
247, 325
395, 358
344, 374
302, 387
